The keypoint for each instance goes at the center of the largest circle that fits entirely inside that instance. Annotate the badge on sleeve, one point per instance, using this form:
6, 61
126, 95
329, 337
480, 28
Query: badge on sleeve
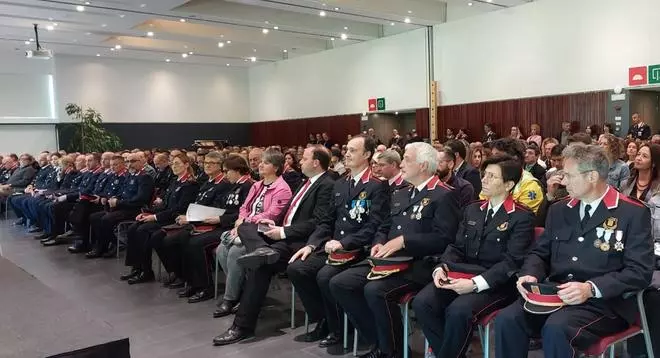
503, 226
610, 223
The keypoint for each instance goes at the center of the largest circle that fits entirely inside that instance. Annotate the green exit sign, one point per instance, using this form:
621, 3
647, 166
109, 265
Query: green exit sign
654, 74
380, 104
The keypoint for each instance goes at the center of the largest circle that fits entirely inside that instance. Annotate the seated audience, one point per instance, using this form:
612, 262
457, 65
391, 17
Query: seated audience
619, 172
22, 173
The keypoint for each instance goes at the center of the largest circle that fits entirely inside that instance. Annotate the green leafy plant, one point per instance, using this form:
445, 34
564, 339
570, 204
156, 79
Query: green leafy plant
89, 134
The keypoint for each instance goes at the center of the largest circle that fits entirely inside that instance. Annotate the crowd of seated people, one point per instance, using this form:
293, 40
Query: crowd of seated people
361, 226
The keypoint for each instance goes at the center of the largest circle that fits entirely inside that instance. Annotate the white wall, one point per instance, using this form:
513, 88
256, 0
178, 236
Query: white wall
28, 138
342, 80
545, 47
141, 91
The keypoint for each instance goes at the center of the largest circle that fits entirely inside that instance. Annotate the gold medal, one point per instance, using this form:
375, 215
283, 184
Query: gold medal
503, 226
426, 201
363, 195
597, 243
605, 247
610, 223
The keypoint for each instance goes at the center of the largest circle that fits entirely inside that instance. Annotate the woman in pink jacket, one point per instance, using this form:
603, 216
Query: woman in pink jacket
266, 200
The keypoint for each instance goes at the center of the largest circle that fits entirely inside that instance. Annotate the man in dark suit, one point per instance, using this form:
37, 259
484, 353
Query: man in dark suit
360, 203
396, 140
475, 273
462, 169
490, 135
446, 160
268, 252
597, 247
639, 129
532, 153
423, 221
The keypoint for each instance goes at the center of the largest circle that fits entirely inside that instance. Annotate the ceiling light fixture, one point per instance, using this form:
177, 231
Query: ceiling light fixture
191, 53
182, 20
221, 44
184, 55
98, 55
228, 41
332, 39
104, 25
143, 5
31, 40
253, 59
336, 9
266, 22
27, 42
345, 27
117, 47
406, 20
50, 28
391, 24
150, 34
122, 15
322, 13
276, 28
254, 50
80, 8
344, 36
265, 31
227, 65
87, 2
470, 4
112, 49
167, 60
409, 11
55, 24
285, 50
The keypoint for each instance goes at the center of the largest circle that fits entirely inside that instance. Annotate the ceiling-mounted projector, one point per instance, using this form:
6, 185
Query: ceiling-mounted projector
40, 52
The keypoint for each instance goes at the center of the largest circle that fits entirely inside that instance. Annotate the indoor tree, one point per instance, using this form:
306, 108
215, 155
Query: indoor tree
89, 134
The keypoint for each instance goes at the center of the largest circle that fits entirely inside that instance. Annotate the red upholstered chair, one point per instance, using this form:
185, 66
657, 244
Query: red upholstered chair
641, 327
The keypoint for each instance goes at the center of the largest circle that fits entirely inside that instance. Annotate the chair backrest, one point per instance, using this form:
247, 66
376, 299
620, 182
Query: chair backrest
538, 231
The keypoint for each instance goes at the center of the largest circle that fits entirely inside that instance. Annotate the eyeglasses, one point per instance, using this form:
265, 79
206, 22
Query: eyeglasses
571, 176
489, 176
211, 163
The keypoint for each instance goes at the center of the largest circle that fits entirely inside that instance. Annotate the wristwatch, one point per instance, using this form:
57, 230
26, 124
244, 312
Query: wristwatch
475, 288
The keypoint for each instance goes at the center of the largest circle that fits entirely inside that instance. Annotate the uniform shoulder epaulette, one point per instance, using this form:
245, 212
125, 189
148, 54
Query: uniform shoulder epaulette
375, 178
445, 185
523, 207
633, 201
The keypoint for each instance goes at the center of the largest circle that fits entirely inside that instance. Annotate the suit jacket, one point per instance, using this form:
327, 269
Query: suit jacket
176, 199
428, 222
464, 189
567, 251
471, 174
136, 192
496, 250
355, 214
163, 179
232, 200
21, 177
538, 172
642, 132
313, 210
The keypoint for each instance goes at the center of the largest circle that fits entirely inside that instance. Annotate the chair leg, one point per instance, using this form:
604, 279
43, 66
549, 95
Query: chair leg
215, 279
645, 324
405, 330
293, 307
355, 342
306, 323
426, 346
345, 331
486, 341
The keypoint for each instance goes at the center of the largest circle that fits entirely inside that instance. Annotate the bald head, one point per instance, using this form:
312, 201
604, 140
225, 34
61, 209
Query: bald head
254, 158
105, 159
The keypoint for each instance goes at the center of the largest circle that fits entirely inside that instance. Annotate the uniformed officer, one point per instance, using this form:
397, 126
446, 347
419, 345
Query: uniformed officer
146, 232
360, 205
24, 205
474, 275
446, 162
66, 176
187, 253
136, 194
164, 173
422, 222
597, 247
388, 164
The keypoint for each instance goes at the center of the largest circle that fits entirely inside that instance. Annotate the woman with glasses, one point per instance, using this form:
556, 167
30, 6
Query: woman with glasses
266, 200
147, 231
189, 255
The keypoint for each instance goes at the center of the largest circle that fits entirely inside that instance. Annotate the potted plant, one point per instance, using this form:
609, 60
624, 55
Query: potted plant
89, 134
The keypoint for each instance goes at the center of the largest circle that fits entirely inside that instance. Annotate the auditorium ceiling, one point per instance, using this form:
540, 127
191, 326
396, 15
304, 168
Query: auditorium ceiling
219, 32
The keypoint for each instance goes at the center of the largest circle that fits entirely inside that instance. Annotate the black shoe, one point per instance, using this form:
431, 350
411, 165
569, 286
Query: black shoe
19, 222
42, 236
178, 283
77, 249
52, 242
170, 279
127, 276
374, 353
201, 296
47, 238
259, 257
143, 277
186, 292
330, 340
232, 335
94, 254
67, 235
225, 309
320, 331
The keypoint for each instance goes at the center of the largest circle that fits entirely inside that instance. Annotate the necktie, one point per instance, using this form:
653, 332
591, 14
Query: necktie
352, 186
587, 214
489, 215
289, 214
414, 194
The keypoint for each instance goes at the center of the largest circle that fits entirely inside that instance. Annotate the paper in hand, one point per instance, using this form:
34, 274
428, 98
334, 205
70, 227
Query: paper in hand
198, 213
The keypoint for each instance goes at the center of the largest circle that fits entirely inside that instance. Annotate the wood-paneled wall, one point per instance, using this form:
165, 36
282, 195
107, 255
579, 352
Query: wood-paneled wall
295, 131
583, 109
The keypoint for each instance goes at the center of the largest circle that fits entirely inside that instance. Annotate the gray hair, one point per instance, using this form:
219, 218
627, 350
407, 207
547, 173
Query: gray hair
274, 157
588, 158
215, 156
425, 153
391, 156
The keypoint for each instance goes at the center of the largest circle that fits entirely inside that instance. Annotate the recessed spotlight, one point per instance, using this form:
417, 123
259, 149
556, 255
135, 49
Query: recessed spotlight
266, 22
391, 24
150, 34
104, 25
332, 39
228, 41
182, 20
254, 50
55, 24
98, 55
276, 28
345, 27
227, 65
470, 4
396, 113
409, 11
489, 0
285, 50
80, 8
167, 60
265, 31
344, 36
122, 15
31, 40
253, 59
112, 49
117, 47
50, 28
87, 2
191, 53
143, 5
27, 42
88, 33
184, 55
406, 20
50, 19
221, 44
324, 4
185, 46
322, 13
336, 9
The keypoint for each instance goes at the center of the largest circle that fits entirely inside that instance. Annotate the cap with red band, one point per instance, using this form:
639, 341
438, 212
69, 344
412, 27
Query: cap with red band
542, 298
